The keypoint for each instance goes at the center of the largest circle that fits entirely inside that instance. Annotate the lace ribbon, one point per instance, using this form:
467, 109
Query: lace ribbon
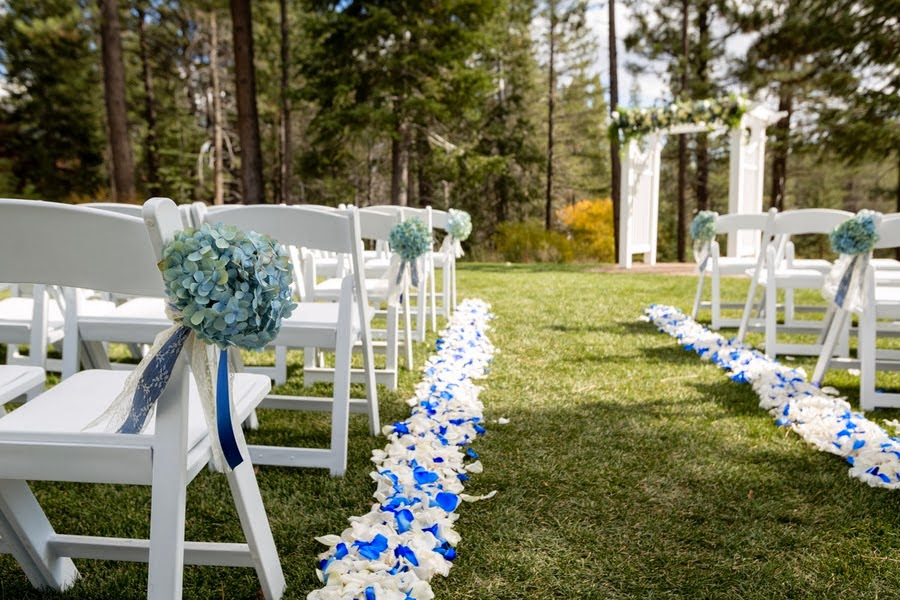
451, 245
399, 273
845, 283
701, 253
133, 408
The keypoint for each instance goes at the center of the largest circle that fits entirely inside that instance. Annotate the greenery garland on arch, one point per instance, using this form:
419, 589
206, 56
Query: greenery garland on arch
635, 123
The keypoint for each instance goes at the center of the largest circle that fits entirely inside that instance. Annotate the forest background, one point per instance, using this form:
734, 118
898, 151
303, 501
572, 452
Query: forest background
497, 107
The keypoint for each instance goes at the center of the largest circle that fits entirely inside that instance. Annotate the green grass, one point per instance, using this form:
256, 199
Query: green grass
629, 469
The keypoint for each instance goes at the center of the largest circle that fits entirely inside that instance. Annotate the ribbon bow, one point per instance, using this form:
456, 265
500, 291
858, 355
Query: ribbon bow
130, 412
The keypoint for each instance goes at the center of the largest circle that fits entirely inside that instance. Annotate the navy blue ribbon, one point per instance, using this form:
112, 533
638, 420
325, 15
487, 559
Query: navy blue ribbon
223, 416
413, 272
154, 380
844, 285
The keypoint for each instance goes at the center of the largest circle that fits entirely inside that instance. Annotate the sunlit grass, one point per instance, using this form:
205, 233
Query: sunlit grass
629, 468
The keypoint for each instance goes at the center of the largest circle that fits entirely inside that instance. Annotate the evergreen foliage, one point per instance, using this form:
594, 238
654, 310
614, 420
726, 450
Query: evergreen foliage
445, 102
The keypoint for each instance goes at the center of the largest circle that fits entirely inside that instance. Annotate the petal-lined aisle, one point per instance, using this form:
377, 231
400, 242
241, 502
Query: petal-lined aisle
407, 537
826, 422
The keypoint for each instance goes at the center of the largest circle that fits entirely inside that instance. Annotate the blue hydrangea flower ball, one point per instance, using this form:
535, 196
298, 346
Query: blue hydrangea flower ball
232, 287
410, 239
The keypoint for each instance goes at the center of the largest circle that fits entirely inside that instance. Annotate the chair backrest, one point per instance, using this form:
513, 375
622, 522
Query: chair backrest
889, 231
77, 247
808, 220
132, 210
440, 219
135, 210
376, 224
733, 222
760, 223
294, 225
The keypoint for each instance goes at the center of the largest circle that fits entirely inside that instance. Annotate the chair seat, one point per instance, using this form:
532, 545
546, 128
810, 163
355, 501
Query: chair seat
733, 265
15, 311
816, 264
797, 278
330, 289
16, 380
72, 404
315, 324
442, 258
138, 320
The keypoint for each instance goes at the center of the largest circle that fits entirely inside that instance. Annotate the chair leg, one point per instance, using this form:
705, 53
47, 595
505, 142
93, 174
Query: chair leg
446, 300
716, 301
340, 412
371, 388
421, 305
699, 295
453, 286
407, 332
255, 523
867, 357
771, 323
280, 365
392, 345
835, 332
25, 530
169, 492
432, 295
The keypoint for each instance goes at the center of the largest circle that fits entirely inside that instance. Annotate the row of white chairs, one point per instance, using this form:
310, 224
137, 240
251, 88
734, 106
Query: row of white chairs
46, 438
768, 258
775, 267
45, 310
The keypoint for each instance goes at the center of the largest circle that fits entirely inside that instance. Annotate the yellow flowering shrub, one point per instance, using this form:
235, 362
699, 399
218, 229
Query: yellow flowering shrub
589, 223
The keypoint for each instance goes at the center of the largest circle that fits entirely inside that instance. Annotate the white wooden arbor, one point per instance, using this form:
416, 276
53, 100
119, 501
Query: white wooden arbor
639, 214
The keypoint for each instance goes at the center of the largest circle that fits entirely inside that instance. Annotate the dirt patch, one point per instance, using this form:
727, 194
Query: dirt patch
657, 269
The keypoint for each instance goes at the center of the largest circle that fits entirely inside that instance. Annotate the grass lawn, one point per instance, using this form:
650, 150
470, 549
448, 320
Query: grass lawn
629, 469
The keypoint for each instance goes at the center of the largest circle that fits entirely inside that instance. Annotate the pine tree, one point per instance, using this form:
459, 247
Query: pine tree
50, 118
114, 95
252, 183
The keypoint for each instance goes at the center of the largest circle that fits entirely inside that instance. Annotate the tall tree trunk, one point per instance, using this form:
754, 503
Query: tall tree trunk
248, 119
287, 151
781, 147
423, 152
116, 111
399, 164
682, 140
616, 166
551, 105
218, 142
701, 151
149, 108
412, 166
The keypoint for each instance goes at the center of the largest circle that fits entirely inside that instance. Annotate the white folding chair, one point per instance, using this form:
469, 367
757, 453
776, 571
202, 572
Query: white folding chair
45, 439
19, 382
424, 292
330, 325
374, 226
446, 262
749, 256
879, 317
783, 272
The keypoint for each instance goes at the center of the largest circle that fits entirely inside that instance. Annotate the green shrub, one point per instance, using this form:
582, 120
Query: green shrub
528, 241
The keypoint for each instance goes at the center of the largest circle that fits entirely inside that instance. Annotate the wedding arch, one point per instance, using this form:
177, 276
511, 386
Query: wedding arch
644, 132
